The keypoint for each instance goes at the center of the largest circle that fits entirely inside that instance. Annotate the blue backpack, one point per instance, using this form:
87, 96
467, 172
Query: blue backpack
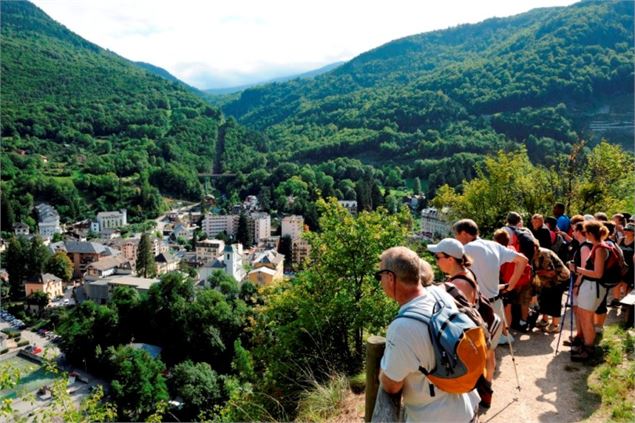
459, 346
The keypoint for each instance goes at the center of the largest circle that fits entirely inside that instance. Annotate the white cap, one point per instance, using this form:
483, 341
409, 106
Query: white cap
448, 246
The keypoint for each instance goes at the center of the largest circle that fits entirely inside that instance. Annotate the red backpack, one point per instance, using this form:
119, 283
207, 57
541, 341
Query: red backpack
615, 267
507, 270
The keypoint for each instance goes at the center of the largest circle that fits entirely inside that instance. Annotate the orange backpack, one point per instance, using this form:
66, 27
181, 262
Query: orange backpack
459, 346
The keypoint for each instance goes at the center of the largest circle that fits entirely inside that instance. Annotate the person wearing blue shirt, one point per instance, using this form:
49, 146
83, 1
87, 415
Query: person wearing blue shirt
561, 218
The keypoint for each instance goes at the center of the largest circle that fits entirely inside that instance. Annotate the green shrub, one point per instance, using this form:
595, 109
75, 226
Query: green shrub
23, 343
4, 351
358, 382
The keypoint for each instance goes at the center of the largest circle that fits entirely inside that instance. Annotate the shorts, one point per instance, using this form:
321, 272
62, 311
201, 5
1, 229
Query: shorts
590, 295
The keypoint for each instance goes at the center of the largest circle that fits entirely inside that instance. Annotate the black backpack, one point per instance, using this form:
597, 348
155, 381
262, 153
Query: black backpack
525, 242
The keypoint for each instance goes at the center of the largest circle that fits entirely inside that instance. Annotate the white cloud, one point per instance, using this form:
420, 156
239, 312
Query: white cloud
242, 41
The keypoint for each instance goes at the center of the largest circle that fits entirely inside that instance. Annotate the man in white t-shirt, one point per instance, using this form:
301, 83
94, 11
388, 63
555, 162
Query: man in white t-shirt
402, 276
487, 258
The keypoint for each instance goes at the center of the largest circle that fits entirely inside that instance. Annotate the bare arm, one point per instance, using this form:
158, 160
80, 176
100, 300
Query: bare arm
520, 262
389, 385
598, 265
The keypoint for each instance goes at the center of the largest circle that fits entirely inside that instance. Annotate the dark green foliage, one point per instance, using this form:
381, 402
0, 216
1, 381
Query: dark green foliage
242, 233
60, 265
200, 387
16, 262
138, 385
146, 266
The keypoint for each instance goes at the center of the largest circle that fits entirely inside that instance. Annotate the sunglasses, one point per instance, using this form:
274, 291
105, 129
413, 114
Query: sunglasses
379, 273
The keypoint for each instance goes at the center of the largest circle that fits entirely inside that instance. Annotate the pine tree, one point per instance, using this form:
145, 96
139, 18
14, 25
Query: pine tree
146, 266
242, 233
416, 186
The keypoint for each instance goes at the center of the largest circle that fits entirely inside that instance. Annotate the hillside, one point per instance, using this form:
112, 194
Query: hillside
113, 134
545, 78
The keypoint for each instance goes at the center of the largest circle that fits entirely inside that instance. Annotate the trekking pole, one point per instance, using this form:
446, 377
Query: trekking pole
511, 351
568, 303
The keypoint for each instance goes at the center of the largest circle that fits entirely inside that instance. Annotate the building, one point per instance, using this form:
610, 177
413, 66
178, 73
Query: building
48, 220
21, 229
230, 262
44, 282
250, 203
108, 266
349, 205
111, 220
213, 224
301, 249
259, 226
83, 253
100, 290
268, 268
208, 249
292, 226
128, 247
433, 224
166, 262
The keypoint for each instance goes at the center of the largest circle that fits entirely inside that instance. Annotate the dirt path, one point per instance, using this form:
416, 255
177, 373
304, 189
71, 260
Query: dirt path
551, 386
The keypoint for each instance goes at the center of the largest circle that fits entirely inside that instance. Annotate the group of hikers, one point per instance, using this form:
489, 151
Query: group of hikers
440, 350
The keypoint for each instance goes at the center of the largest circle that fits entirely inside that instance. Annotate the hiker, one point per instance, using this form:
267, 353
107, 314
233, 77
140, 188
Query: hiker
408, 344
580, 253
627, 245
451, 259
562, 219
600, 313
522, 293
619, 221
588, 291
488, 256
553, 275
520, 238
541, 231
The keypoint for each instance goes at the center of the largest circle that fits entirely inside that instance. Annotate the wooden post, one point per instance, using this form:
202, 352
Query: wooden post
375, 346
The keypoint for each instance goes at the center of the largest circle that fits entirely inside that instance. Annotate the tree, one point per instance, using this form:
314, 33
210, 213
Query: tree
87, 331
39, 299
286, 248
60, 265
329, 307
8, 215
126, 301
200, 387
146, 266
16, 262
416, 186
138, 385
38, 257
242, 233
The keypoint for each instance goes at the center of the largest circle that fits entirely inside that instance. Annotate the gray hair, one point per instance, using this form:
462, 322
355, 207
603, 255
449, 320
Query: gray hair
404, 262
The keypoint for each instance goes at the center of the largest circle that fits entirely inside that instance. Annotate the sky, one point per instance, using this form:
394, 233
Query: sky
226, 43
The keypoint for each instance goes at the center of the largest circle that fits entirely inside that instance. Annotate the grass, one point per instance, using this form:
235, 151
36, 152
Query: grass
614, 379
319, 403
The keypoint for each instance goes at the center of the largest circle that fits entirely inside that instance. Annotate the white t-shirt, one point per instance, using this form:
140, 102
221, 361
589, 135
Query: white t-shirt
488, 257
408, 346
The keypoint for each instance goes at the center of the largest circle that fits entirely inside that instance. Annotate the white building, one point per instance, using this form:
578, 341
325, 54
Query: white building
111, 220
293, 226
433, 223
259, 226
230, 262
349, 205
48, 220
21, 229
233, 258
213, 224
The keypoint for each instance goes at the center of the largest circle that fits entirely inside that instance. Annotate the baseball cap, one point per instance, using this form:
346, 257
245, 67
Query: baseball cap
448, 246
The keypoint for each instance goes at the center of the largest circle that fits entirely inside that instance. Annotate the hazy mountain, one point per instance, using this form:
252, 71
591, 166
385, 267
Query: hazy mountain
305, 75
